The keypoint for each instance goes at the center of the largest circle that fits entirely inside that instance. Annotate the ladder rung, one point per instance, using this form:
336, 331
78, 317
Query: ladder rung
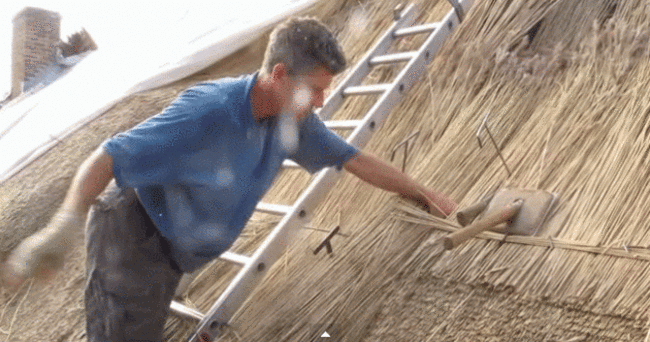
235, 258
343, 124
290, 164
407, 31
393, 58
367, 89
186, 311
278, 209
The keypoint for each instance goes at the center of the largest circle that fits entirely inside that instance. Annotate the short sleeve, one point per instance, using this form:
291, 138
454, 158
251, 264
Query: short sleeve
150, 152
319, 147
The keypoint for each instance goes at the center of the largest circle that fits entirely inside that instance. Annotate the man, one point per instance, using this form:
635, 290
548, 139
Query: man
188, 179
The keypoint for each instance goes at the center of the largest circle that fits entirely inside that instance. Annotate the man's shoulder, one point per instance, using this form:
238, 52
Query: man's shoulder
312, 121
222, 96
223, 86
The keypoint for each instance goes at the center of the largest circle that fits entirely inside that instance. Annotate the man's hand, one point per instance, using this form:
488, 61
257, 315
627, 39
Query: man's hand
385, 176
41, 254
436, 203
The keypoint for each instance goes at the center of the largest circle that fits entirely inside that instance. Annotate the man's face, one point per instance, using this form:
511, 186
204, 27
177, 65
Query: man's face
306, 92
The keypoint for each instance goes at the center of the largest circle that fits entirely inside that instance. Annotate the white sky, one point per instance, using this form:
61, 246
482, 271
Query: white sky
116, 24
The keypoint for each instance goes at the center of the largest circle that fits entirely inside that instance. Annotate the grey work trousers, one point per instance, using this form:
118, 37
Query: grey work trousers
131, 276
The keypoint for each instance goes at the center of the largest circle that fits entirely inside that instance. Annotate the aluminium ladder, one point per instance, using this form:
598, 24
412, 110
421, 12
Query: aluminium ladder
254, 267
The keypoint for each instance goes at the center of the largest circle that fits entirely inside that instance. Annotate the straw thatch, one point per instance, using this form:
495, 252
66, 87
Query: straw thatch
562, 83
565, 85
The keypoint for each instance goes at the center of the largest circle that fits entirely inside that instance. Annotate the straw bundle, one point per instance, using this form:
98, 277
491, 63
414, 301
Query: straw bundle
582, 137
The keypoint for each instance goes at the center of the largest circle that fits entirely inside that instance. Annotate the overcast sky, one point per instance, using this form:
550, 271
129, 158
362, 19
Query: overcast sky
115, 24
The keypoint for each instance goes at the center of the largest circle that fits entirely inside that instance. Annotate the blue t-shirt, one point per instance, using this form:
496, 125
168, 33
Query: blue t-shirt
201, 166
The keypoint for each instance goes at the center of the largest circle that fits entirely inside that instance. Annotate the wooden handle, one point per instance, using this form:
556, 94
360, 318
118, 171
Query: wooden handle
467, 215
506, 213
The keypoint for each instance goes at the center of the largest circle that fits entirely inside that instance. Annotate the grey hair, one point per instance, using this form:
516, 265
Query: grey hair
303, 44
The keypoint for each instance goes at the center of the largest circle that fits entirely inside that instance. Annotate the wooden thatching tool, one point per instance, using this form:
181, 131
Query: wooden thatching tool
522, 212
467, 215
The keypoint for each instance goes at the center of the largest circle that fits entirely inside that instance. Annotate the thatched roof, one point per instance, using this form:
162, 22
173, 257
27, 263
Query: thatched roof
78, 43
566, 86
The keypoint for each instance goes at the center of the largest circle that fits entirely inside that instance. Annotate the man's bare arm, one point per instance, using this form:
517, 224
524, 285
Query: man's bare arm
387, 177
93, 176
42, 252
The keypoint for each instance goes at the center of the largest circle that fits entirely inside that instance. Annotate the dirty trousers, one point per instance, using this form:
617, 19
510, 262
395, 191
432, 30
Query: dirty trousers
131, 276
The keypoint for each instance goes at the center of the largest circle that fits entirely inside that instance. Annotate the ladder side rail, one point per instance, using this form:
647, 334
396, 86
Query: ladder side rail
271, 250
235, 258
363, 67
232, 298
275, 244
405, 79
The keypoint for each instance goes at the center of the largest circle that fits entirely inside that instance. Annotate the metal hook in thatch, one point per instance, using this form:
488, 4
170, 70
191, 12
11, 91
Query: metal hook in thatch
484, 124
326, 242
404, 143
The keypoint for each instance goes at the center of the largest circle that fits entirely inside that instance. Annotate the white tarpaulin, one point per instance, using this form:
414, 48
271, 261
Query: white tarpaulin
33, 124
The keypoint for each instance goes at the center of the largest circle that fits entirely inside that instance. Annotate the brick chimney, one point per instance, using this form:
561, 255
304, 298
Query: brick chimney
35, 40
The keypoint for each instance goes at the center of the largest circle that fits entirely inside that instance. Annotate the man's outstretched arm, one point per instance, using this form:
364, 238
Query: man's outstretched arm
42, 252
386, 176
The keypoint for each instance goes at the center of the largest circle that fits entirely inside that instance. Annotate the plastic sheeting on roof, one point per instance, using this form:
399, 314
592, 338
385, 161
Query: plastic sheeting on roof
30, 125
